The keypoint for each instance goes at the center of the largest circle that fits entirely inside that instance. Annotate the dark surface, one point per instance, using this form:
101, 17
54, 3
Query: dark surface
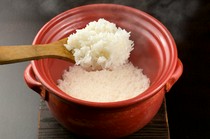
50, 128
188, 101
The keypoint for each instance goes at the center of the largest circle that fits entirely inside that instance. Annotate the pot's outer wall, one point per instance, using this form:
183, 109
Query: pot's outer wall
154, 51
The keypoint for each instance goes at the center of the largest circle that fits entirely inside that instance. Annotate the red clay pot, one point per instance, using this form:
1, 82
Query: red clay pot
154, 51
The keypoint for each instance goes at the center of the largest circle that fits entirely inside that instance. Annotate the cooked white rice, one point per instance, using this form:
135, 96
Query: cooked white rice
104, 74
124, 82
100, 45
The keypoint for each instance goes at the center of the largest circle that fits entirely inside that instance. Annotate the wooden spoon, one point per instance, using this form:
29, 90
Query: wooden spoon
20, 53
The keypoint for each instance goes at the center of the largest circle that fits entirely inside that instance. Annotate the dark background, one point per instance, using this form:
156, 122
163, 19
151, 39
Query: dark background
188, 102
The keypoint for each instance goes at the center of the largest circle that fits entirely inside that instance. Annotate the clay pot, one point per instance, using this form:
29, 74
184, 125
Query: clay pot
154, 51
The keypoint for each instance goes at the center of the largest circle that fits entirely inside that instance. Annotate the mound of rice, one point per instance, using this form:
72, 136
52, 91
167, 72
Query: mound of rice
100, 45
102, 72
124, 82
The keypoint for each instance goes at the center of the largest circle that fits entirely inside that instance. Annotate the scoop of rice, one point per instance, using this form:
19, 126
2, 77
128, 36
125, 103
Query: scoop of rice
100, 45
124, 82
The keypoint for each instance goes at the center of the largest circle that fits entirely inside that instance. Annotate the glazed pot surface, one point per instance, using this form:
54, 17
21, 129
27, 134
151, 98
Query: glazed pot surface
154, 51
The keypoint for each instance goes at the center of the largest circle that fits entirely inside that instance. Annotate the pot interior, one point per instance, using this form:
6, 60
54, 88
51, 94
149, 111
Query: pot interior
154, 48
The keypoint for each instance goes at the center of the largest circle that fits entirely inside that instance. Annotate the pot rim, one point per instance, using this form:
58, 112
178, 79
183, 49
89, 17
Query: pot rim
151, 91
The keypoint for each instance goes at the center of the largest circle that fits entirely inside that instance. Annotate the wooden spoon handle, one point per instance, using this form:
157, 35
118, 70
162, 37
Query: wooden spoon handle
13, 54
